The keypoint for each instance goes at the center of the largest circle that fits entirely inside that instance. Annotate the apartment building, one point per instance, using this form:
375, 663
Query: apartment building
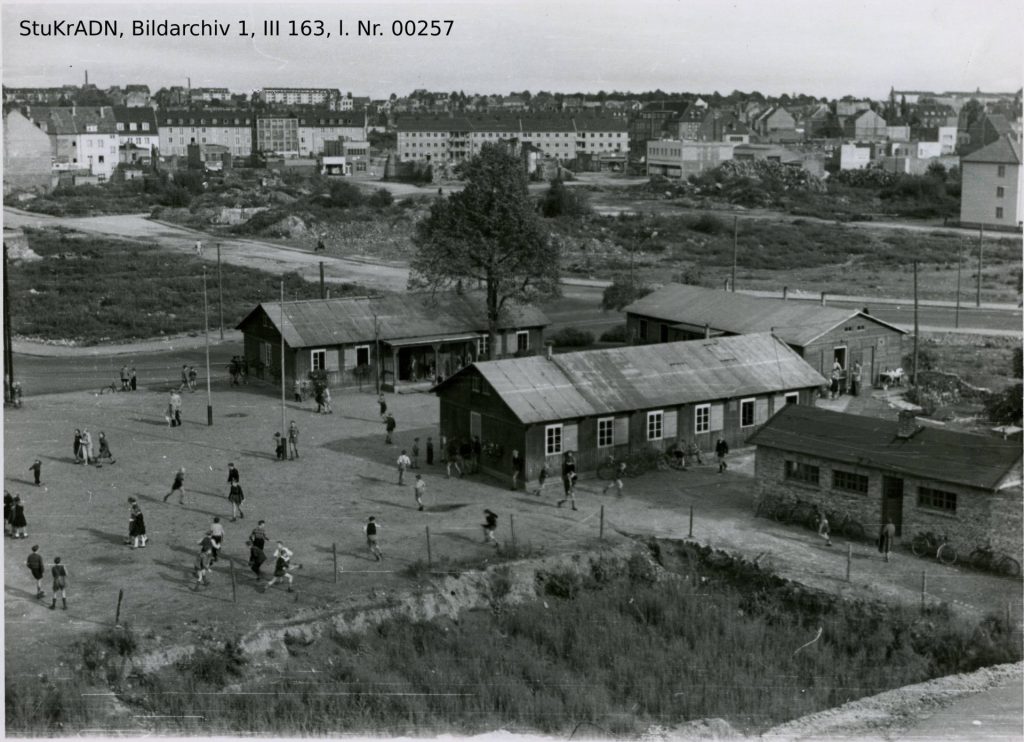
231, 128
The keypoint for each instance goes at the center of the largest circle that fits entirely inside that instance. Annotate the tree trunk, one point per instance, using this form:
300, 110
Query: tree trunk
492, 320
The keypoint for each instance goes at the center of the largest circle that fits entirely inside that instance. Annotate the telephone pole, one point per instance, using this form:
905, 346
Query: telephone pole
981, 248
735, 248
917, 330
220, 294
8, 346
206, 332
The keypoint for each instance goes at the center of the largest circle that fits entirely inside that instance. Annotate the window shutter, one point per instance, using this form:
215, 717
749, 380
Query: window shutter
717, 417
780, 402
570, 437
350, 357
669, 425
760, 410
621, 431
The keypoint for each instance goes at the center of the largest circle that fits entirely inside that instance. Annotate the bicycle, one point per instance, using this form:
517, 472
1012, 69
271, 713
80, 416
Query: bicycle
930, 544
845, 525
985, 558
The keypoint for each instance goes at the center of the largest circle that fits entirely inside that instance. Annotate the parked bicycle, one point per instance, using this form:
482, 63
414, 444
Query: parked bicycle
986, 558
845, 525
931, 544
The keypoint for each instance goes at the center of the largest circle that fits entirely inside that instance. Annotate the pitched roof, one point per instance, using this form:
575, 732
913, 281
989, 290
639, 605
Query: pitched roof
77, 119
1005, 150
931, 453
795, 322
597, 382
136, 114
325, 322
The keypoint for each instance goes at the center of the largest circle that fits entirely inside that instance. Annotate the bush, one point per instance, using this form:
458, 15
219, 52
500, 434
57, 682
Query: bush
381, 198
560, 201
214, 666
708, 224
926, 358
621, 293
618, 334
345, 195
1017, 365
572, 337
1005, 407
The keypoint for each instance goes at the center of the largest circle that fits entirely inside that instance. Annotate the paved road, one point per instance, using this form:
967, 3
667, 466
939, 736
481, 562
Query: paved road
992, 715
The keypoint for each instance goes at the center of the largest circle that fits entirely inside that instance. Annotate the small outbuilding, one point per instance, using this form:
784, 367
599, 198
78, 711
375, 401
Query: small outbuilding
396, 339
965, 486
821, 335
603, 403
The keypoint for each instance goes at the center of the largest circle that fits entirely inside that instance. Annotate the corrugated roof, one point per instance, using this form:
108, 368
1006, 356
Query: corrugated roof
1005, 150
325, 322
597, 382
931, 453
796, 322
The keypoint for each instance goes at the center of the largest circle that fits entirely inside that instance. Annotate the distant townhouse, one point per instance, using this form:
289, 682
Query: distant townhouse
317, 127
688, 124
989, 128
776, 125
865, 126
83, 138
228, 127
991, 193
600, 404
28, 154
872, 470
554, 135
329, 98
63, 95
723, 126
818, 122
673, 158
931, 115
137, 126
209, 95
598, 135
513, 103
845, 108
137, 96
820, 335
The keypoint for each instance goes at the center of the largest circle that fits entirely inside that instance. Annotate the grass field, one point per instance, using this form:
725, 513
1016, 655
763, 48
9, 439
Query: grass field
94, 290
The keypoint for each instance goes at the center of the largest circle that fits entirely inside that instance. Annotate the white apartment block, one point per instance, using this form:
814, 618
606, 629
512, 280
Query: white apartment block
327, 97
229, 128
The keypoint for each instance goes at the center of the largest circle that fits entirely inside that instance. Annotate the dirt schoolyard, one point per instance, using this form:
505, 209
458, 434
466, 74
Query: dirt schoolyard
317, 506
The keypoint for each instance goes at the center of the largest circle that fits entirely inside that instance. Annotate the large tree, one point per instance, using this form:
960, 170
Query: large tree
488, 232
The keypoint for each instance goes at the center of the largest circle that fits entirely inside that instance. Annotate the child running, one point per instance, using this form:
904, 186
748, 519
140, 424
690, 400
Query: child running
282, 567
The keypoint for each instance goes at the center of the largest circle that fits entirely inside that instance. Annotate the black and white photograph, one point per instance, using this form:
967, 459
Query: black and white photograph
513, 370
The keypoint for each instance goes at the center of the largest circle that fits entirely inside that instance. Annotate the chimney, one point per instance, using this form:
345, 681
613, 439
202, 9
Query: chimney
550, 351
907, 425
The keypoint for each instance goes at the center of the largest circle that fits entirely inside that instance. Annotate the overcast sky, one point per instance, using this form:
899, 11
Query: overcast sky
822, 47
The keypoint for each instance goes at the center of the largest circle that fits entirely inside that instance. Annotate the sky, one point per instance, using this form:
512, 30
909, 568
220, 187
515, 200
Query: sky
825, 48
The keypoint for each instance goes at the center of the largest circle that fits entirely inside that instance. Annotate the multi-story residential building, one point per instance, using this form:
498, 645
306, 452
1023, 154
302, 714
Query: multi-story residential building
674, 158
277, 134
329, 98
83, 138
865, 126
599, 135
41, 96
775, 125
991, 191
723, 126
231, 128
137, 96
931, 115
209, 95
554, 135
316, 128
690, 120
137, 126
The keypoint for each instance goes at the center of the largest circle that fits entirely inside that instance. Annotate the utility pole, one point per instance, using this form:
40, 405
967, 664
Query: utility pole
959, 263
323, 293
917, 331
981, 244
220, 294
376, 350
8, 347
206, 332
284, 428
735, 248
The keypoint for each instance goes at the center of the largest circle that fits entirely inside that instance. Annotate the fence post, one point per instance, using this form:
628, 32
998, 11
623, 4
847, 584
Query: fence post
430, 559
691, 521
600, 533
234, 597
924, 586
117, 613
334, 553
512, 526
849, 560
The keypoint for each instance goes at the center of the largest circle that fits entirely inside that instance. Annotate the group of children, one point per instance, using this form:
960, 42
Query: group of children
85, 451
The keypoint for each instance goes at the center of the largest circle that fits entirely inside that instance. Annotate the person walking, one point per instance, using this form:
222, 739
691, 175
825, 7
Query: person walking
199, 248
451, 460
105, 449
478, 449
77, 447
419, 489
37, 569
569, 483
430, 451
402, 463
542, 478
217, 537
60, 583
517, 467
124, 379
133, 381
620, 473
293, 441
465, 458
823, 528
8, 513
204, 560
415, 453
855, 378
371, 530
86, 447
297, 391
37, 471
176, 407
280, 446
256, 557
136, 525
389, 427
193, 376
236, 497
178, 486
382, 403
886, 538
18, 522
490, 525
318, 397
327, 401
184, 377
693, 452
282, 566
721, 451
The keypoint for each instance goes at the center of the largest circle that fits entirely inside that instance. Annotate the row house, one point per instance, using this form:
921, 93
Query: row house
133, 96
40, 96
775, 125
329, 98
83, 138
723, 126
991, 192
316, 128
231, 128
599, 135
931, 115
137, 126
865, 126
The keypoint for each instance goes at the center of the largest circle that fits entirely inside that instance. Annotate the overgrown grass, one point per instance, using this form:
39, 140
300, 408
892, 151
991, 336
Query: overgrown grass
91, 289
611, 648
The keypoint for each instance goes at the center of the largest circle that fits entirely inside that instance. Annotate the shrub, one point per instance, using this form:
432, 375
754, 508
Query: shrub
925, 357
621, 293
380, 198
214, 666
708, 224
572, 337
560, 201
1005, 407
344, 195
617, 334
1017, 365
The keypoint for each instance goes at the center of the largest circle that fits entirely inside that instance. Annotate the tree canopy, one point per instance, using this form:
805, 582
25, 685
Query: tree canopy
488, 232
